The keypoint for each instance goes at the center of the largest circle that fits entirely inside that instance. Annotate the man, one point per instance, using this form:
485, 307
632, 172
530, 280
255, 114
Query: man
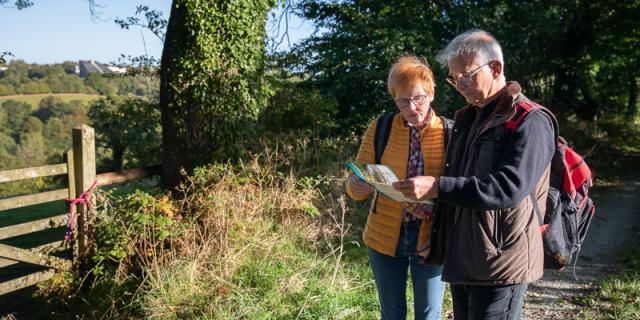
485, 218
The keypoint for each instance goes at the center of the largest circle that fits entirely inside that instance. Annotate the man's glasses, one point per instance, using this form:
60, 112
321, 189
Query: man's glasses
464, 78
417, 100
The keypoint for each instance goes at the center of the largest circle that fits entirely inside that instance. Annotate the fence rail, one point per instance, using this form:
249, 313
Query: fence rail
105, 179
32, 199
30, 173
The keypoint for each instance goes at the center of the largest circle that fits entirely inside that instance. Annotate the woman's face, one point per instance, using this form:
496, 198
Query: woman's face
414, 104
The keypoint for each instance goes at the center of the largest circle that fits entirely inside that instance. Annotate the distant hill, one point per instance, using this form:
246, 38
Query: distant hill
86, 76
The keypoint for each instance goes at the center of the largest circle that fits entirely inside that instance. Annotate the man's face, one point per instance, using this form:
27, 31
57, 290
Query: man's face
474, 79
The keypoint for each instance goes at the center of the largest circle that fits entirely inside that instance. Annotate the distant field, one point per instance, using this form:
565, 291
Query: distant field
34, 99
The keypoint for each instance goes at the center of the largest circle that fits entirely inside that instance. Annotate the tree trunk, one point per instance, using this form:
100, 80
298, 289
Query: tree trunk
632, 106
118, 158
172, 160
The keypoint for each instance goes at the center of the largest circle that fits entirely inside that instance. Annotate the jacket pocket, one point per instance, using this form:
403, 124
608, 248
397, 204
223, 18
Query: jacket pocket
489, 240
498, 230
513, 228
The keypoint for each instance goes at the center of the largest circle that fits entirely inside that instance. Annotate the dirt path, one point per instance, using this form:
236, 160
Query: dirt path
614, 229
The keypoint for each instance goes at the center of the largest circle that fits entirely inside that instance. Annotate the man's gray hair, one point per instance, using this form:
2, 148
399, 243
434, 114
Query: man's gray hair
474, 42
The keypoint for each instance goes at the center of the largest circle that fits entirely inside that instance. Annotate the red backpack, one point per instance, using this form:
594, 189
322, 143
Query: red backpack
569, 210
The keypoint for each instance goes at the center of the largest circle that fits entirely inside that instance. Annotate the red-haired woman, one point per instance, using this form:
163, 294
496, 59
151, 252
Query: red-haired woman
398, 238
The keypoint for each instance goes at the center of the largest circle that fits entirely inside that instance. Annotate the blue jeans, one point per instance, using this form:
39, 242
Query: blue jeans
488, 302
391, 279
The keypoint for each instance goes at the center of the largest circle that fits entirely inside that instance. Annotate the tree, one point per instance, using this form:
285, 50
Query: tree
52, 107
31, 125
31, 149
57, 135
99, 84
211, 86
7, 151
17, 73
129, 128
16, 113
578, 57
351, 59
3, 119
6, 90
211, 79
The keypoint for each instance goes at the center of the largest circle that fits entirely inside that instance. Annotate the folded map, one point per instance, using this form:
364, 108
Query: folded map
381, 177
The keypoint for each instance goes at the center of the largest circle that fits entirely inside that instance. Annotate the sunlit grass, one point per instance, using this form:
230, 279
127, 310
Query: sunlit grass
618, 296
34, 99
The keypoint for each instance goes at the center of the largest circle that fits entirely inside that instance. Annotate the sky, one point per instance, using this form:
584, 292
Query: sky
53, 31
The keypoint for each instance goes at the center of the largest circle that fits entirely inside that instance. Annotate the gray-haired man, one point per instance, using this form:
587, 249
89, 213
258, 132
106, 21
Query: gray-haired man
486, 231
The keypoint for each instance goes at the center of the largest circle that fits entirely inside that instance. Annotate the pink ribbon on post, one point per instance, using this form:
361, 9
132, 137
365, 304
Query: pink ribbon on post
84, 198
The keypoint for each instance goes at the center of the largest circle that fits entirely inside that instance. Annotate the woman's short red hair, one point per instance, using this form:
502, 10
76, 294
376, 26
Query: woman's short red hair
407, 72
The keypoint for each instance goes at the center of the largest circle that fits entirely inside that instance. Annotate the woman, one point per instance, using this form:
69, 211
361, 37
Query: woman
396, 237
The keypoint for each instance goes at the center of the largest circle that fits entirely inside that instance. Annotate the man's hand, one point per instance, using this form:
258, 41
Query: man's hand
418, 188
360, 187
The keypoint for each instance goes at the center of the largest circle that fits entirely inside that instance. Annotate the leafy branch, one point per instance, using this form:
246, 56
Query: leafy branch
152, 21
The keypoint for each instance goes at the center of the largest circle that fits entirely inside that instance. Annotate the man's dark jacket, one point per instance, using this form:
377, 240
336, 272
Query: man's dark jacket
485, 230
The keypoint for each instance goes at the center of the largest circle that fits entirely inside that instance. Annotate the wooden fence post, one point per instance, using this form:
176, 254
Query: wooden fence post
84, 162
71, 178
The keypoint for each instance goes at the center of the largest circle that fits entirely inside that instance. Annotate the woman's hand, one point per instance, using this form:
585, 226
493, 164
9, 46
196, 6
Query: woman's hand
360, 187
418, 188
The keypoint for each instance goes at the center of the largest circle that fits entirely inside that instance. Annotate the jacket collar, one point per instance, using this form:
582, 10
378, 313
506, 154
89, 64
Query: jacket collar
504, 110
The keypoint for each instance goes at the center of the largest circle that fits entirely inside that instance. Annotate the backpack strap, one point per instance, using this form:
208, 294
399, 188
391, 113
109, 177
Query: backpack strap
522, 110
511, 126
383, 129
447, 125
380, 139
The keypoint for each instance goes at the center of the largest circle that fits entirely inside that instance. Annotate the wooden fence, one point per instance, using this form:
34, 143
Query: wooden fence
80, 171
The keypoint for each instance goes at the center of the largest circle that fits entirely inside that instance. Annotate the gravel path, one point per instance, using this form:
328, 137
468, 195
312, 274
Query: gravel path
616, 227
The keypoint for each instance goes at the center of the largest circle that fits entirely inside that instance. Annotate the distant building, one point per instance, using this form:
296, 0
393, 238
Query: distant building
91, 66
117, 70
2, 71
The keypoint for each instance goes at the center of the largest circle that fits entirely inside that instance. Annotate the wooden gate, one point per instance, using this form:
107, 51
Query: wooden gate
80, 171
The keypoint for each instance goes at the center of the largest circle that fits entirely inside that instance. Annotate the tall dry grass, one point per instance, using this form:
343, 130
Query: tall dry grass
262, 239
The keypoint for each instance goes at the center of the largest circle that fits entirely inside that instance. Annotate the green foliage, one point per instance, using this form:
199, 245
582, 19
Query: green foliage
213, 86
54, 107
566, 54
31, 149
56, 133
350, 61
130, 230
128, 129
131, 227
294, 107
6, 90
99, 84
33, 138
31, 124
17, 112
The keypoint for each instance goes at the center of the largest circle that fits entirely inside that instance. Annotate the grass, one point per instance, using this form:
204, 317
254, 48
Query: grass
34, 99
618, 296
256, 240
